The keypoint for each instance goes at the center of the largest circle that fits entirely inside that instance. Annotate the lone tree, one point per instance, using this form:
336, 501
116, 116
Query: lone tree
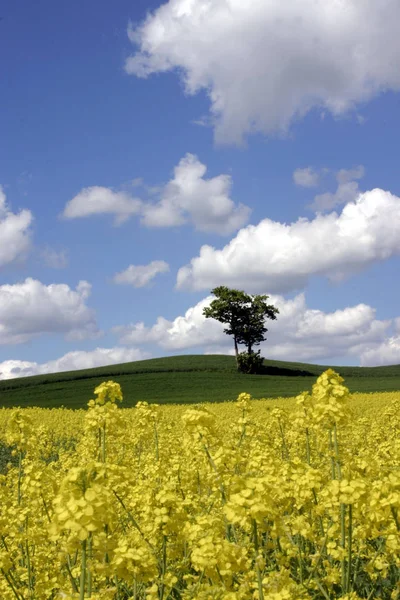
244, 314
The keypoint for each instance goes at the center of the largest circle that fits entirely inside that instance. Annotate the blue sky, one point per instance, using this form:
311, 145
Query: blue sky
179, 145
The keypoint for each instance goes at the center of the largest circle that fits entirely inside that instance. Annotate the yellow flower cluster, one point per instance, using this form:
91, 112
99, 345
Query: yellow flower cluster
284, 499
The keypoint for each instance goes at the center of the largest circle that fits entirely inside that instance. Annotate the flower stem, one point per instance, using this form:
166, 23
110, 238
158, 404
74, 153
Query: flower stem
259, 580
83, 571
342, 511
163, 566
156, 442
308, 447
103, 444
89, 572
349, 549
28, 561
19, 476
11, 585
395, 517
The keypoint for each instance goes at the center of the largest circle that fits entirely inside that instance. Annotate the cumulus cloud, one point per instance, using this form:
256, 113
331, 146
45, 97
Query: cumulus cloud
386, 353
97, 200
347, 190
73, 361
299, 333
15, 232
282, 258
191, 197
32, 308
184, 332
141, 275
188, 198
307, 177
266, 62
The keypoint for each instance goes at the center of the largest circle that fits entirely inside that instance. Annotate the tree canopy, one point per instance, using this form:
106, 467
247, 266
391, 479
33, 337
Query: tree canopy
243, 313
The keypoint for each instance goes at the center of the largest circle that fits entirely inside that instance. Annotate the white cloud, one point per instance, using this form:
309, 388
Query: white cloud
347, 190
345, 193
98, 200
188, 198
15, 232
31, 308
191, 197
54, 259
266, 62
141, 275
298, 334
73, 361
346, 175
281, 258
307, 177
184, 332
386, 353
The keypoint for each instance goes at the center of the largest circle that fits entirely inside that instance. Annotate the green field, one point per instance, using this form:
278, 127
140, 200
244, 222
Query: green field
187, 379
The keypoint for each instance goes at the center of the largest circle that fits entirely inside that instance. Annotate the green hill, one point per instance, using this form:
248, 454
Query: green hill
187, 379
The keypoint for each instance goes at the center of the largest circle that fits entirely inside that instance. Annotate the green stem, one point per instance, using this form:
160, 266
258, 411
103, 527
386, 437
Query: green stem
323, 592
355, 573
3, 539
156, 442
343, 543
243, 428
71, 577
395, 517
333, 473
342, 509
213, 465
133, 521
259, 578
46, 509
83, 572
308, 447
372, 591
163, 566
28, 561
13, 577
220, 576
300, 561
117, 586
103, 444
337, 452
284, 445
106, 557
318, 560
19, 476
221, 487
11, 585
321, 524
89, 570
349, 549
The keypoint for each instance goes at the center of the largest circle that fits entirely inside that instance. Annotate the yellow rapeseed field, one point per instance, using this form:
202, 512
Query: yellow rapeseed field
282, 499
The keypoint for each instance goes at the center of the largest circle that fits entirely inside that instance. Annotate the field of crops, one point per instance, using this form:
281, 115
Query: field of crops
266, 499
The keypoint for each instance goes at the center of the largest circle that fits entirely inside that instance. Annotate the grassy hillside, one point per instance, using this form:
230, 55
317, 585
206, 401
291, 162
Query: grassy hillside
187, 379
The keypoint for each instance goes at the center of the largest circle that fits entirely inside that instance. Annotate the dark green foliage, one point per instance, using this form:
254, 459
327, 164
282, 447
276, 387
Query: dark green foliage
243, 313
6, 457
188, 379
250, 363
253, 328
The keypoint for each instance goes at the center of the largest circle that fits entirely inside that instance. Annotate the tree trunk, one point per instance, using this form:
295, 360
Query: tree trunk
249, 348
236, 352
